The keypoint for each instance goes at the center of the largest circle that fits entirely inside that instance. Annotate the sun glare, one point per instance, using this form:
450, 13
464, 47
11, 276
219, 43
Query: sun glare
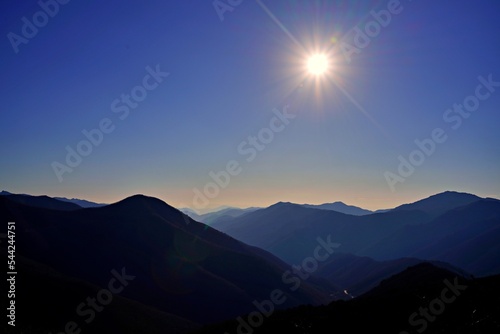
317, 64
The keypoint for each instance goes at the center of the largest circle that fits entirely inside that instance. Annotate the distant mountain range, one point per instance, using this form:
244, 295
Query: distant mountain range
463, 232
340, 207
81, 202
224, 214
188, 274
433, 206
218, 215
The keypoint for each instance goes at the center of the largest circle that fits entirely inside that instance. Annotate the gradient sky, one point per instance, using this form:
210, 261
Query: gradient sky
225, 79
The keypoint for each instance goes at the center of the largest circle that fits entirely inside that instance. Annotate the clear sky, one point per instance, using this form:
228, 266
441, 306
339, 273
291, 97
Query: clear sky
217, 82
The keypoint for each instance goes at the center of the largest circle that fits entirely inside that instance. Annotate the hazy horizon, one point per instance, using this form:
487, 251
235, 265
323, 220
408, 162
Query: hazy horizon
244, 206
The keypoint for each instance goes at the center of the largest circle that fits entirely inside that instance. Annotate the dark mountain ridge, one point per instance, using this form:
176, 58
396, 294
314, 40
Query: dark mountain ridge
181, 266
397, 305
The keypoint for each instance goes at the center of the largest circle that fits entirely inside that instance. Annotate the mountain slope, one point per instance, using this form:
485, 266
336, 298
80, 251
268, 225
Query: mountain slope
394, 306
290, 231
181, 266
43, 202
358, 274
438, 204
46, 301
466, 237
192, 214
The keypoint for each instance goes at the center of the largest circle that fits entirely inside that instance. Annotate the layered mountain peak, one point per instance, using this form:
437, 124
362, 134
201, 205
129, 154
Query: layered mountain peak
340, 207
440, 203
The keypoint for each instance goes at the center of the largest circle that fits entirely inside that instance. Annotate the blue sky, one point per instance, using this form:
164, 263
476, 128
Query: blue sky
224, 80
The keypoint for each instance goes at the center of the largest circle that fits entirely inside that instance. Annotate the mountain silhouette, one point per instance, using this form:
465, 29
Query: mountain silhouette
187, 275
42, 202
182, 267
472, 307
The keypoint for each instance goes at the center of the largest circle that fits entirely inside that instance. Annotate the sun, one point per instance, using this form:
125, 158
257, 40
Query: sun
317, 64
